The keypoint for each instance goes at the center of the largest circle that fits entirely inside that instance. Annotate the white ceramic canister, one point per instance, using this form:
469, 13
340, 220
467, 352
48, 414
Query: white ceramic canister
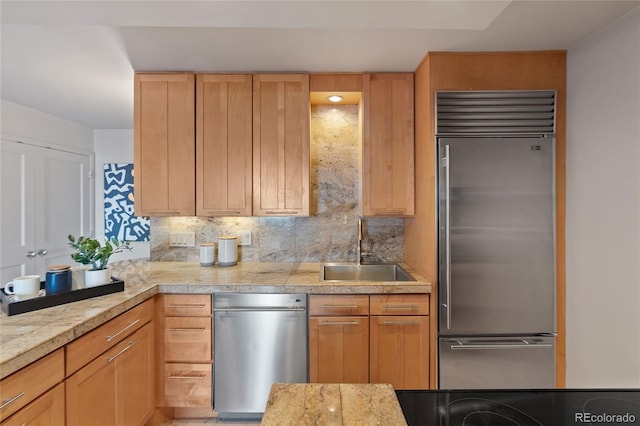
228, 250
207, 254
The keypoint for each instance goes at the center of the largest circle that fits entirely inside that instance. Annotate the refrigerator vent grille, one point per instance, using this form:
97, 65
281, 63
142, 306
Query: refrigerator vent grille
498, 112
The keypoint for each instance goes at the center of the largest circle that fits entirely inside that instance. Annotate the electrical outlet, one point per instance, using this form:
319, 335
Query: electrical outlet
244, 238
182, 239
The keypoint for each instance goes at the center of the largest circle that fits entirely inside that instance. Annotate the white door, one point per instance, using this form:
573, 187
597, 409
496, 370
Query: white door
46, 195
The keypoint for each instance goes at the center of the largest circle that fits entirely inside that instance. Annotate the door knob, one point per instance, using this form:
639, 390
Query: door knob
31, 253
42, 252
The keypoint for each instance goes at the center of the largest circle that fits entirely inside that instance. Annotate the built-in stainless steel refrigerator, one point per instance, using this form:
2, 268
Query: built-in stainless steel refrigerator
496, 232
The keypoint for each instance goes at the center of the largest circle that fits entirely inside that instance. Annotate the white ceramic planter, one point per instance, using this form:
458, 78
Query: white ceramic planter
95, 278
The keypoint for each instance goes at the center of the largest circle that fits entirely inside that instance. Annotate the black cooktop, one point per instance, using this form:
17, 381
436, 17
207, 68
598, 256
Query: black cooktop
558, 407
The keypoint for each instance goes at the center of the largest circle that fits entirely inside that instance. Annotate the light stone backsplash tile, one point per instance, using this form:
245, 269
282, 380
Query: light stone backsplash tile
328, 235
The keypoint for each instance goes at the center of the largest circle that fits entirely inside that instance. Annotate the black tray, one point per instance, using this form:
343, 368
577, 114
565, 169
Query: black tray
11, 307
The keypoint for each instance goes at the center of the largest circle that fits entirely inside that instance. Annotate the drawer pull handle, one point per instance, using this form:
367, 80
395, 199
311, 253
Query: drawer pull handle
339, 306
198, 377
400, 323
10, 400
186, 306
187, 330
281, 212
126, 348
339, 323
131, 324
389, 307
152, 212
222, 212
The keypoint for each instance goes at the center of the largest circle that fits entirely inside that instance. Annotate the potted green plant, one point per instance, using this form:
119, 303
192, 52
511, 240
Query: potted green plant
89, 251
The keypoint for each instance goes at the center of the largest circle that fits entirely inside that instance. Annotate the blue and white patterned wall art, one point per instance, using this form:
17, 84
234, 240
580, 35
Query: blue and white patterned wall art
119, 218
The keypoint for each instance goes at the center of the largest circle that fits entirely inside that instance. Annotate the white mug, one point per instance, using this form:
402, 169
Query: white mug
23, 287
227, 251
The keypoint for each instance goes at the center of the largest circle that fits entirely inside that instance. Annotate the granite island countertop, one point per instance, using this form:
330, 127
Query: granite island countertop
26, 337
332, 404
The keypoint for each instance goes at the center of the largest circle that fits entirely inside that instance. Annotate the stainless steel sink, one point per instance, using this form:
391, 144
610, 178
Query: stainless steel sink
353, 272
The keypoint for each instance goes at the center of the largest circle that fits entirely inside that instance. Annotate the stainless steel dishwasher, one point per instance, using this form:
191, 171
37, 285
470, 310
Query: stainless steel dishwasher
259, 339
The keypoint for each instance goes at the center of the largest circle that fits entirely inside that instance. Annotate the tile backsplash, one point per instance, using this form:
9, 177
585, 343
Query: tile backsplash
328, 235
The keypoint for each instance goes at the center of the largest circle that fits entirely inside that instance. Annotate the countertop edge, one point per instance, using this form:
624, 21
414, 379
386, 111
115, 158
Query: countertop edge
31, 354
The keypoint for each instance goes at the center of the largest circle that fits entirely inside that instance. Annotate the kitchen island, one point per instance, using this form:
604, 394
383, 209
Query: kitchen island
25, 338
332, 404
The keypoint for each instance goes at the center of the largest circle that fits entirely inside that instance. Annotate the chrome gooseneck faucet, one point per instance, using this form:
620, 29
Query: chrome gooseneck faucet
359, 252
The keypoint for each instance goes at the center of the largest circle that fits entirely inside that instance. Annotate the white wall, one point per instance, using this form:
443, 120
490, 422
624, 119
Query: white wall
603, 208
113, 146
30, 125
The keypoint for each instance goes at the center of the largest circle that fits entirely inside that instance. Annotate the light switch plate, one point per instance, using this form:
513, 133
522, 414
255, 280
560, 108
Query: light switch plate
244, 238
182, 239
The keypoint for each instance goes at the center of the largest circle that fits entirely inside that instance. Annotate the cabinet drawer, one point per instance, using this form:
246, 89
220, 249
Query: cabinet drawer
189, 305
45, 410
187, 385
338, 305
82, 350
25, 385
187, 339
400, 304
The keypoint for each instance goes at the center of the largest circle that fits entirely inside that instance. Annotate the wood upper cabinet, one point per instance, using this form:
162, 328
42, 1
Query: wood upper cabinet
164, 144
399, 346
281, 144
339, 339
387, 167
224, 144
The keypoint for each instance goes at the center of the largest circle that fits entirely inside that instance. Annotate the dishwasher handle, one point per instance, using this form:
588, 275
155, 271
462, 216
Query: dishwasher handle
260, 309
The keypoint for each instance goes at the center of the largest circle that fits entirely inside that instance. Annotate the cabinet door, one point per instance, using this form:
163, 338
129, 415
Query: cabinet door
35, 179
91, 393
223, 145
400, 351
164, 144
117, 387
135, 368
48, 409
339, 349
281, 145
388, 145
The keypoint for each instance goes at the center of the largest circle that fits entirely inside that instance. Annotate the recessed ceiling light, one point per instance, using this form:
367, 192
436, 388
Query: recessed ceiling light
335, 98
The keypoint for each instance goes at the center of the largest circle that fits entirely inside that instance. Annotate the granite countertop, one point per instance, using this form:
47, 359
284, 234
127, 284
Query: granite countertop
26, 337
332, 404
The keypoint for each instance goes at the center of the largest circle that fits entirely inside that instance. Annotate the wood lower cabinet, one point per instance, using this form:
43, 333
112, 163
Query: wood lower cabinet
339, 349
387, 169
184, 351
399, 346
117, 387
34, 392
164, 144
47, 409
281, 145
370, 339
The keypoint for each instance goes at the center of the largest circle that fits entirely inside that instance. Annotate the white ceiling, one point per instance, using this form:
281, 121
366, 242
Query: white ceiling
75, 59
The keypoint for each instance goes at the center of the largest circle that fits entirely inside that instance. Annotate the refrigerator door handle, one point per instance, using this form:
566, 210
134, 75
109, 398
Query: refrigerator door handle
447, 232
502, 344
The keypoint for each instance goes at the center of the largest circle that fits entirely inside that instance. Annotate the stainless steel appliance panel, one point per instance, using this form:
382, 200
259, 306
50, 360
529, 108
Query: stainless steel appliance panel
496, 235
259, 339
497, 363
